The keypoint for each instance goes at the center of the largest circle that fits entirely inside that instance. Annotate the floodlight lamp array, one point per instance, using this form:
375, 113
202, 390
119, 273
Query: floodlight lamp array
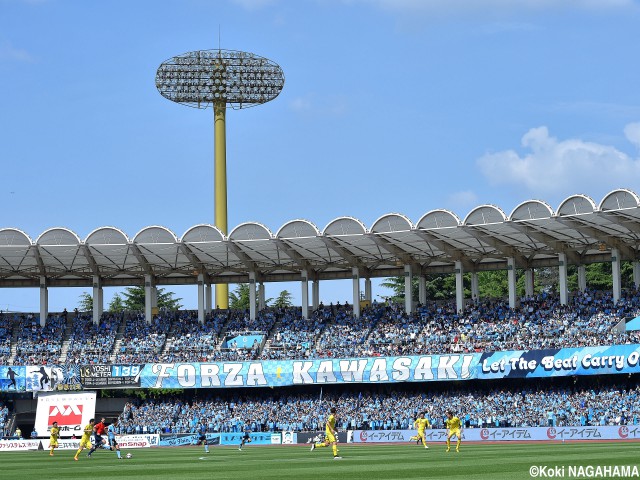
219, 77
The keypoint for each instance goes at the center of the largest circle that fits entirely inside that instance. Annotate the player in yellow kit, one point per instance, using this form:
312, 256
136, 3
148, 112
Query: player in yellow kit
331, 435
421, 424
53, 437
453, 428
85, 441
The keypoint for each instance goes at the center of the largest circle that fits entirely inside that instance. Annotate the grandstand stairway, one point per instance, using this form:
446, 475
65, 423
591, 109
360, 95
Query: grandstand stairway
118, 340
66, 340
266, 344
14, 345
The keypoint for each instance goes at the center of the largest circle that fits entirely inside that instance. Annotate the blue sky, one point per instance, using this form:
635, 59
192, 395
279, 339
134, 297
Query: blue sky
388, 106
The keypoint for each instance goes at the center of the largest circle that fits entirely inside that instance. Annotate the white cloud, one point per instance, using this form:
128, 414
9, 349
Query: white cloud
9, 52
300, 104
253, 5
460, 6
332, 105
463, 199
632, 132
560, 166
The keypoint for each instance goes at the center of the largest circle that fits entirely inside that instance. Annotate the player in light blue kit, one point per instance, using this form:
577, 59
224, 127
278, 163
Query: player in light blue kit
111, 435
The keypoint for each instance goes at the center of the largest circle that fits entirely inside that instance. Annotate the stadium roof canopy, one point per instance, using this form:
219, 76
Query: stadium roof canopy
533, 235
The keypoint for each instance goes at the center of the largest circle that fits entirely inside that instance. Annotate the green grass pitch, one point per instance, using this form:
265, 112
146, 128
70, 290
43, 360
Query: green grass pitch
406, 461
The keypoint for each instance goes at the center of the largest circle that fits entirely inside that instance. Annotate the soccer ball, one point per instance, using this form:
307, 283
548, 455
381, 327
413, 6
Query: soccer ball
128, 455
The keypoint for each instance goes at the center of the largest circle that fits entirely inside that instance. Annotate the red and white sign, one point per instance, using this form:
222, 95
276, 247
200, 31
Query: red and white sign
65, 414
72, 411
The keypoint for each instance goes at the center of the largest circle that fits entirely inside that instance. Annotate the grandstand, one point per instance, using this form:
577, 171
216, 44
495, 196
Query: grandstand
540, 359
539, 323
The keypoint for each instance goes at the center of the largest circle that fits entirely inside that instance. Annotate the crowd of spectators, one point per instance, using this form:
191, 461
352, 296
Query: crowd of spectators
143, 342
371, 410
539, 322
4, 417
240, 321
190, 340
6, 331
38, 345
90, 343
345, 336
295, 336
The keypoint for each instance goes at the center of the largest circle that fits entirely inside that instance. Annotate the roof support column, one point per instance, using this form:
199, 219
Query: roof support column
529, 281
44, 301
582, 278
562, 277
252, 295
207, 298
304, 283
367, 290
201, 298
315, 294
408, 300
422, 289
355, 275
154, 296
97, 299
148, 300
459, 285
511, 281
615, 273
261, 298
475, 289
636, 274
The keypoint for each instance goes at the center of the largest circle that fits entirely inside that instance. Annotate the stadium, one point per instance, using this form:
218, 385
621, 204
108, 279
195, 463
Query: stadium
476, 331
536, 366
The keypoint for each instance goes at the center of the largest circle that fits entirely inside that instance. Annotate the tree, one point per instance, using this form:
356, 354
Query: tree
134, 299
116, 305
284, 300
85, 303
239, 298
438, 287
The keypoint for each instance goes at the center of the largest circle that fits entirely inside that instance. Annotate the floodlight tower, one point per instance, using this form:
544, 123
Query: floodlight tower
220, 79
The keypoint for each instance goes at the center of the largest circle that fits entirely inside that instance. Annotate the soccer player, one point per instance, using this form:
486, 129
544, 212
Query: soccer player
421, 423
247, 436
330, 435
85, 441
453, 428
202, 439
111, 435
53, 437
99, 429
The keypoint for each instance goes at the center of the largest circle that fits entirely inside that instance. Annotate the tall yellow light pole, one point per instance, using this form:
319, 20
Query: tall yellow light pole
220, 79
220, 188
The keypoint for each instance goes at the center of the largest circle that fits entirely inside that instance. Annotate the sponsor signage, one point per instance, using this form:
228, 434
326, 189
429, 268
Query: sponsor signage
110, 376
72, 411
257, 438
181, 439
137, 441
124, 441
17, 445
523, 434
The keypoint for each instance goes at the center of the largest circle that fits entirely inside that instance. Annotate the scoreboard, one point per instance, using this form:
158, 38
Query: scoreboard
110, 376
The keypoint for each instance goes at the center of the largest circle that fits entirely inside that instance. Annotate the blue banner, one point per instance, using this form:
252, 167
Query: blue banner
375, 370
257, 438
425, 368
